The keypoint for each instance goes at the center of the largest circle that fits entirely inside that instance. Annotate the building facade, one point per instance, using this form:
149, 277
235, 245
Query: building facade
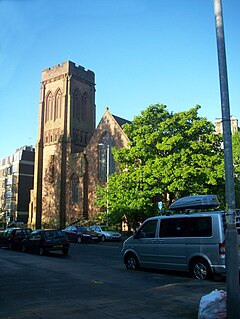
71, 153
234, 125
16, 180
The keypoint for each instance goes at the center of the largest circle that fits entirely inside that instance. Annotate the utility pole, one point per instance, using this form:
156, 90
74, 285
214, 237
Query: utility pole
232, 269
108, 171
107, 148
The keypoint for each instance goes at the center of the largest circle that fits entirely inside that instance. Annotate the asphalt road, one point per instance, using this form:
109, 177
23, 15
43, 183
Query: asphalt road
92, 282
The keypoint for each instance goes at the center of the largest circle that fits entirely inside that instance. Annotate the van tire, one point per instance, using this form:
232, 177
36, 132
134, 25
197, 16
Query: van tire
131, 262
200, 269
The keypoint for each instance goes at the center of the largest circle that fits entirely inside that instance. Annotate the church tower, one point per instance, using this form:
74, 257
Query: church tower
66, 124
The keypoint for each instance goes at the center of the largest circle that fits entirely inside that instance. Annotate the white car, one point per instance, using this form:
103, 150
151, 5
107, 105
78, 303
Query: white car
107, 233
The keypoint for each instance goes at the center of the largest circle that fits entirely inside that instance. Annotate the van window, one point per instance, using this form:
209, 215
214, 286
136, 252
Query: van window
200, 226
173, 227
148, 230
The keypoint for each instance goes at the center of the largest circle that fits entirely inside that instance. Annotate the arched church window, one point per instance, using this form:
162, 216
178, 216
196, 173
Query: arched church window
48, 107
74, 189
76, 104
84, 106
57, 106
106, 163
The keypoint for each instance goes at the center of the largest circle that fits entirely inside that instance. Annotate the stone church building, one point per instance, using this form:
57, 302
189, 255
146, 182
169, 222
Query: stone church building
72, 155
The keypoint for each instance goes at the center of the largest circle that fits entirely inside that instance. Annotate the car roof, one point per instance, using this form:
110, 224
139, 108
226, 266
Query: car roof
44, 230
100, 226
190, 214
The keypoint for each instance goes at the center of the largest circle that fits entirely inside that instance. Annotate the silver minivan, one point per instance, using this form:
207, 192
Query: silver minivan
193, 242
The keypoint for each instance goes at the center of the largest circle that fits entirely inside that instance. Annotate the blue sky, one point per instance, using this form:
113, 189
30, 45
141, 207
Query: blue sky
142, 52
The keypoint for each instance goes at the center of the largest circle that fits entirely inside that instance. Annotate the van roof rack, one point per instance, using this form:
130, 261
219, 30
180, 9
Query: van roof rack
195, 202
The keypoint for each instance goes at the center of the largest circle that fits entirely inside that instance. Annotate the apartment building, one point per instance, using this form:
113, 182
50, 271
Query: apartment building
16, 180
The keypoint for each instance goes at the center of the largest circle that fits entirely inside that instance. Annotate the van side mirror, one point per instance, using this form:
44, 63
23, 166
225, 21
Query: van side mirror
139, 234
135, 234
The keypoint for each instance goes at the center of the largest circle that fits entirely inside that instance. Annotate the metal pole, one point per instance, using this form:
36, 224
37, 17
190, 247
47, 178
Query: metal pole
232, 269
108, 167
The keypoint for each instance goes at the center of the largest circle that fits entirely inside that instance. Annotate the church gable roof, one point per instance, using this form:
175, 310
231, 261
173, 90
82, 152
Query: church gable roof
120, 120
112, 125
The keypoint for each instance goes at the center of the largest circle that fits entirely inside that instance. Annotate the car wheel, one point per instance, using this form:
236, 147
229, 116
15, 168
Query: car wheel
200, 269
131, 262
65, 251
79, 239
41, 251
103, 238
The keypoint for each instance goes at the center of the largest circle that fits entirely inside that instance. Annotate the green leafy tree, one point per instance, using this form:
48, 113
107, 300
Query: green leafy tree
170, 155
236, 163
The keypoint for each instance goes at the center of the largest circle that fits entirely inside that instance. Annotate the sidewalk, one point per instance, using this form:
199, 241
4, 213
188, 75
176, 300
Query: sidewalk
165, 302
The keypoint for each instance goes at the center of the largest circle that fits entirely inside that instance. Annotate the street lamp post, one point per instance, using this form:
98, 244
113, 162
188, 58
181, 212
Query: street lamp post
232, 270
107, 171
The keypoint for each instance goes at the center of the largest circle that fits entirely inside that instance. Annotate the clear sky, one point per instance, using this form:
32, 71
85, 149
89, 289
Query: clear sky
142, 52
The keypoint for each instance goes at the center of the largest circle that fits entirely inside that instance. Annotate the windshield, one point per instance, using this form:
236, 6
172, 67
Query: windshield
107, 228
82, 228
54, 234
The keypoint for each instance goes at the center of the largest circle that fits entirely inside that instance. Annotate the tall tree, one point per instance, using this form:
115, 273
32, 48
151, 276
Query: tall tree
170, 155
236, 163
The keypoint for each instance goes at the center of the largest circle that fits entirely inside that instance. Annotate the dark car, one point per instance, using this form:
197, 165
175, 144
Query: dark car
13, 237
44, 241
79, 234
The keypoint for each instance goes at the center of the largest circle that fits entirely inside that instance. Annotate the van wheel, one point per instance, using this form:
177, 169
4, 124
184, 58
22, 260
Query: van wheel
200, 269
79, 239
131, 262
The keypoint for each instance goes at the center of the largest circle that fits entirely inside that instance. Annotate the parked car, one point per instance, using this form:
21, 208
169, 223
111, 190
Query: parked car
190, 241
44, 241
13, 237
79, 234
106, 233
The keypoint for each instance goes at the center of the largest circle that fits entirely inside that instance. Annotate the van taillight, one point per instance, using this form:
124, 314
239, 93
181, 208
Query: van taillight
222, 249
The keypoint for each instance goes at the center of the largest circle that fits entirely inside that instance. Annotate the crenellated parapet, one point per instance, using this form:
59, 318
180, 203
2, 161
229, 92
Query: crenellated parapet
68, 68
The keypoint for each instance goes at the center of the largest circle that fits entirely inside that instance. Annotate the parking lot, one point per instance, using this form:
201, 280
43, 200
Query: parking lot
92, 282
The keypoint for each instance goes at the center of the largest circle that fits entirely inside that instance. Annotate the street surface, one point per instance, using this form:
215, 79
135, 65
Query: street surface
92, 282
